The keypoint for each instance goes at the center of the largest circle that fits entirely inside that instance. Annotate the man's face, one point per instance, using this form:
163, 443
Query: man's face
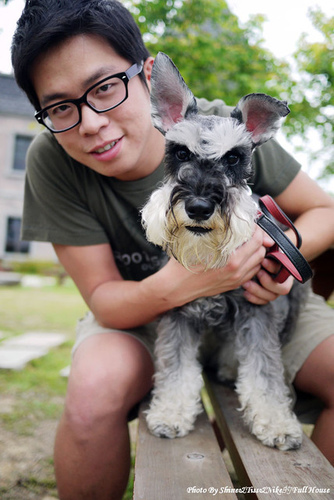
119, 143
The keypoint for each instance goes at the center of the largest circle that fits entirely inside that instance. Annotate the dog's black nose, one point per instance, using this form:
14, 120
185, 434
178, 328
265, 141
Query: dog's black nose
199, 209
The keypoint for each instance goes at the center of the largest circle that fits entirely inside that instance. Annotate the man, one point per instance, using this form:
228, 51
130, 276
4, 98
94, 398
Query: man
84, 67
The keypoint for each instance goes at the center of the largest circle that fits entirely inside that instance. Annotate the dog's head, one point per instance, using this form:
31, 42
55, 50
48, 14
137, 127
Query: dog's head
203, 211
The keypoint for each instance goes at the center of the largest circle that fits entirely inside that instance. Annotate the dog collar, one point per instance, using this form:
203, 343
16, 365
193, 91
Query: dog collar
283, 251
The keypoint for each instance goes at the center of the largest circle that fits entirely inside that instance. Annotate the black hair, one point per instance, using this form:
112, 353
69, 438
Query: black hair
45, 23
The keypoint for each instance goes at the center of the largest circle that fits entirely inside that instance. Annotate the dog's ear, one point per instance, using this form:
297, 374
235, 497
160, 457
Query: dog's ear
171, 99
261, 114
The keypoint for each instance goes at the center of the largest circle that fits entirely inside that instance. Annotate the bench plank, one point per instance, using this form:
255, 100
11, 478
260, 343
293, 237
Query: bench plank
166, 468
305, 473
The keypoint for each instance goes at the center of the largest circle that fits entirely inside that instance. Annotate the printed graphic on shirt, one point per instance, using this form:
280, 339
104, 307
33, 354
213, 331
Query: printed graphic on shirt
140, 263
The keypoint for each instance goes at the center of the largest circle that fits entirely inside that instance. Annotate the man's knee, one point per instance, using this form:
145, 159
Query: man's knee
104, 388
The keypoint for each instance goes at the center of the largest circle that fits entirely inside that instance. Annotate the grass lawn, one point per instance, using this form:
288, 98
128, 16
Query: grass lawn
32, 399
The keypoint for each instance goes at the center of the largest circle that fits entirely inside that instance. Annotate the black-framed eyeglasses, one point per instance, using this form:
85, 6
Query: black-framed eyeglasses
103, 96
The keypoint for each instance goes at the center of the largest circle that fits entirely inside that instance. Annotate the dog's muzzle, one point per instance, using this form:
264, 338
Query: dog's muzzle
199, 229
199, 209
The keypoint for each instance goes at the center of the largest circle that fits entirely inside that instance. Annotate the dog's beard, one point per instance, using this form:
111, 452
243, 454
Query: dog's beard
192, 248
208, 244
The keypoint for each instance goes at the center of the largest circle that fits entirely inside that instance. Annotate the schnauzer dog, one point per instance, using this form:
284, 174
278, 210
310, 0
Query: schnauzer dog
200, 215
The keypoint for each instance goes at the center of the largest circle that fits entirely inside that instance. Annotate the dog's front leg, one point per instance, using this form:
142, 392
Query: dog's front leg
178, 381
263, 394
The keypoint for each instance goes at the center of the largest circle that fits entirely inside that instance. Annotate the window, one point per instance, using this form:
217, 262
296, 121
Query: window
13, 242
22, 143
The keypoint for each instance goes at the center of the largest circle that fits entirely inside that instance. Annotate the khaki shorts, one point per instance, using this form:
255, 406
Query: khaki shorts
88, 326
315, 324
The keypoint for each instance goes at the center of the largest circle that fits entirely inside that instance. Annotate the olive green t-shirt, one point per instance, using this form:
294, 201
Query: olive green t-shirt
67, 203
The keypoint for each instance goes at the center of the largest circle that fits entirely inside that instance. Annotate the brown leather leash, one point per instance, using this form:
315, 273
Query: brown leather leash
283, 251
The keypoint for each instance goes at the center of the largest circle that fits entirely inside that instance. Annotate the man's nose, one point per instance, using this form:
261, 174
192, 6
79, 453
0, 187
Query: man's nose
91, 121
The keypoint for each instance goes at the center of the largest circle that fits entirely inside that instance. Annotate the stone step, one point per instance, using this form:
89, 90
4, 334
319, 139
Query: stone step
16, 352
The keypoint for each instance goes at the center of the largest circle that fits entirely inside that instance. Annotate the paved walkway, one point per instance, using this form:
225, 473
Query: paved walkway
16, 352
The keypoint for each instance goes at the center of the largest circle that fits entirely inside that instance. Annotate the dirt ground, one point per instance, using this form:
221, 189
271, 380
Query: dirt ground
26, 461
26, 467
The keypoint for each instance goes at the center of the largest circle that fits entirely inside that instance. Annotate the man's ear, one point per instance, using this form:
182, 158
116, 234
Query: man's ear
148, 64
262, 115
171, 99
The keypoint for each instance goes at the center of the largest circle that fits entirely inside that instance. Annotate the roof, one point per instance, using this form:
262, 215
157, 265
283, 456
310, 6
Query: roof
13, 100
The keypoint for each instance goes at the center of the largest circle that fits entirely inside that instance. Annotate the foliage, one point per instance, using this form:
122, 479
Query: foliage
41, 267
313, 97
220, 59
217, 58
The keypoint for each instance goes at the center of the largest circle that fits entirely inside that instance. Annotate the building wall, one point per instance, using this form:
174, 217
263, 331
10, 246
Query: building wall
12, 186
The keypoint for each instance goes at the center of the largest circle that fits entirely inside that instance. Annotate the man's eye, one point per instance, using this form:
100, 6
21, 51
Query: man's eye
232, 159
111, 86
183, 154
61, 109
104, 88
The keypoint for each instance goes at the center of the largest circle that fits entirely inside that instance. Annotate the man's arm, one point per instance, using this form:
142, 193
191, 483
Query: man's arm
121, 304
312, 211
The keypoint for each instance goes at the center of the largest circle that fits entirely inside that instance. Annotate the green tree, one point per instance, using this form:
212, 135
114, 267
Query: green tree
220, 59
313, 95
217, 58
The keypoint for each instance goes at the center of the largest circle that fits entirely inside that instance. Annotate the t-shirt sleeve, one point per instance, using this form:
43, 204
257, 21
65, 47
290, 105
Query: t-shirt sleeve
274, 169
54, 207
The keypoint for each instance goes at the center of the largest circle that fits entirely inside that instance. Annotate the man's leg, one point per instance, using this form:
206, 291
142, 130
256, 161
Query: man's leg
316, 377
110, 373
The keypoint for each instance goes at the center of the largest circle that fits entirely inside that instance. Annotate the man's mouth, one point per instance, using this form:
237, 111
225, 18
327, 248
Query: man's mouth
106, 147
198, 229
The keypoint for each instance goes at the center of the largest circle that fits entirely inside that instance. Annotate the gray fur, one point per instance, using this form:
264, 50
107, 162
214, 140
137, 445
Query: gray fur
201, 214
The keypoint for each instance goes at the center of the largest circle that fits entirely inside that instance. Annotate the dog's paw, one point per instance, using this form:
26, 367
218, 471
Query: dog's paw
284, 433
289, 441
163, 430
169, 425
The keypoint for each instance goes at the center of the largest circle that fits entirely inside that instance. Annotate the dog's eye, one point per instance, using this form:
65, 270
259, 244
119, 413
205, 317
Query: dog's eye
183, 154
232, 159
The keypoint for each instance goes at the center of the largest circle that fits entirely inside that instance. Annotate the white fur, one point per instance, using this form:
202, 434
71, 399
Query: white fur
210, 143
154, 215
168, 229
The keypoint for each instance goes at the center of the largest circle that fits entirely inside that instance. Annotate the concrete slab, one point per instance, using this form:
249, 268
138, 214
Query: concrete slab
7, 278
34, 281
16, 352
15, 358
65, 372
36, 340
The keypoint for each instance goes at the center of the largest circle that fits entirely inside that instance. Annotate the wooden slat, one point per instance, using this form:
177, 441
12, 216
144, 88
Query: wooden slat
166, 468
304, 473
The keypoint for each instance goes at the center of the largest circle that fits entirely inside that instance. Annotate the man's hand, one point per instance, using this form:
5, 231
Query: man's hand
266, 289
184, 286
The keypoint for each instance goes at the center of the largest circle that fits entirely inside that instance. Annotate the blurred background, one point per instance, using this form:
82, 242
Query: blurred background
224, 49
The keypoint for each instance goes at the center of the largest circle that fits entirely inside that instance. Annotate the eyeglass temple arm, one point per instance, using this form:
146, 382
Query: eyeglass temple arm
134, 70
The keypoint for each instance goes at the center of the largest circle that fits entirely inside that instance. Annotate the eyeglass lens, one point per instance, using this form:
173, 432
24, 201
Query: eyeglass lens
103, 97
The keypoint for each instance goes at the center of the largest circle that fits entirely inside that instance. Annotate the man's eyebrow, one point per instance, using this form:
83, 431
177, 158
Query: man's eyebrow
48, 98
88, 82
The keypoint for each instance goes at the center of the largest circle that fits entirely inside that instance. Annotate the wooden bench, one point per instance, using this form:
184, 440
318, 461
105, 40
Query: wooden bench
193, 467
